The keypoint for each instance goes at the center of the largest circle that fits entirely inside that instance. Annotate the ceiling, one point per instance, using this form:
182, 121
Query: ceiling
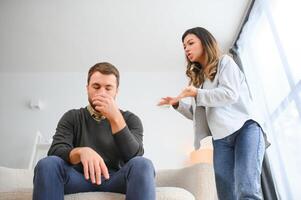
136, 35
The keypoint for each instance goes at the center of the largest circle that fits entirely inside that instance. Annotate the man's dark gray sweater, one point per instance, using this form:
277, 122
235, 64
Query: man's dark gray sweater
77, 128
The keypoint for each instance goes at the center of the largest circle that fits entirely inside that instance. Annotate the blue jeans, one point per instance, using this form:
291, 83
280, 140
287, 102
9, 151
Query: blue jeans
53, 177
237, 163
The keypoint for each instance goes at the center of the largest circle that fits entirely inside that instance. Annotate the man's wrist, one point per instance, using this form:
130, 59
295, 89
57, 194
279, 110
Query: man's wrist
117, 123
74, 155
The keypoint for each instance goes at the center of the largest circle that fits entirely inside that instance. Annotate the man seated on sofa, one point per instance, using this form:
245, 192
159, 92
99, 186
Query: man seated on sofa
96, 148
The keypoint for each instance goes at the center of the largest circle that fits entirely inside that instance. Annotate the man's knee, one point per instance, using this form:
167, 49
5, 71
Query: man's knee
48, 164
142, 164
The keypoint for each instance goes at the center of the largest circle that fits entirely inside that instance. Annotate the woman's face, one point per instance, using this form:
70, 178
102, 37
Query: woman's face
193, 48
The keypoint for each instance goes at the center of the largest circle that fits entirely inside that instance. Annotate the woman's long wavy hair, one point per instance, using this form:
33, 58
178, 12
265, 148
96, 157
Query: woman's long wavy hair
195, 71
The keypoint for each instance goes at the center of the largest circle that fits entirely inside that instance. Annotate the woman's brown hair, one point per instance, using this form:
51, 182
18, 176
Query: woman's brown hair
195, 71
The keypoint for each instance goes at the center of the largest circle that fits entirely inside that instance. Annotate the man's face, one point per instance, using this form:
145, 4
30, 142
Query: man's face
101, 84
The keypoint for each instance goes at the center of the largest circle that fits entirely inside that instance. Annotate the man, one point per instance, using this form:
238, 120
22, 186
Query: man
96, 148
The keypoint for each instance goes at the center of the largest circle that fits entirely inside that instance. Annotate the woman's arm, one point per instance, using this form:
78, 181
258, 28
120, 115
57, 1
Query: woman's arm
185, 109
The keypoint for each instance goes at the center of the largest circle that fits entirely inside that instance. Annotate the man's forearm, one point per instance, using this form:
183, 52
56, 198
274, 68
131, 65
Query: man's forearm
117, 123
127, 144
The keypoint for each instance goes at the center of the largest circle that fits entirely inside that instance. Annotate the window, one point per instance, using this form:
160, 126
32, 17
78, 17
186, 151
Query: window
268, 47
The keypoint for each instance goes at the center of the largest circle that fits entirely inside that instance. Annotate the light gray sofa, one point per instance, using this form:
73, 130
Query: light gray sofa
191, 183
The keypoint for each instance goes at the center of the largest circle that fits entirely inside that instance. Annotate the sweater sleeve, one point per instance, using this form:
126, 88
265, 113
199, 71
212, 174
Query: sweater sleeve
129, 139
62, 142
227, 91
185, 109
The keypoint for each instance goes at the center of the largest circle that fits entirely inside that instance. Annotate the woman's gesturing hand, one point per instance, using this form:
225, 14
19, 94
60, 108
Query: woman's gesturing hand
189, 91
168, 101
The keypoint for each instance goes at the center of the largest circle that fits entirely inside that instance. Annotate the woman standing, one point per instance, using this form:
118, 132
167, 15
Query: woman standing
220, 107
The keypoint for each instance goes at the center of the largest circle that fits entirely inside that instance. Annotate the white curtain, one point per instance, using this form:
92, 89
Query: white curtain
269, 47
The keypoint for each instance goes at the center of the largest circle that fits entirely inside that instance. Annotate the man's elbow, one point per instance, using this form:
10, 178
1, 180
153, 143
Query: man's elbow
139, 152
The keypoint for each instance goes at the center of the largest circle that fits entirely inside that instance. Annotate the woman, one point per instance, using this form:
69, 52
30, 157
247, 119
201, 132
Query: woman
220, 107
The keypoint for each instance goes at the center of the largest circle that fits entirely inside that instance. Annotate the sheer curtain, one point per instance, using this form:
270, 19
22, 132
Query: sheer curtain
269, 47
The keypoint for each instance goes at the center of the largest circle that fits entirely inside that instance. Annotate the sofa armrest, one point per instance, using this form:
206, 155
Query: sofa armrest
197, 179
15, 179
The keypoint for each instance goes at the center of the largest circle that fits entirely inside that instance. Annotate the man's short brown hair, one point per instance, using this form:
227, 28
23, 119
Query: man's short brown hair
104, 68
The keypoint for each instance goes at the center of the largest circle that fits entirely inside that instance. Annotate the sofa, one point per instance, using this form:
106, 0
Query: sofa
195, 182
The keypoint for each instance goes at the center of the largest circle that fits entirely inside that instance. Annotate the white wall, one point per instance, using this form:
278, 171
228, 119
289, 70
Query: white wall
47, 47
69, 35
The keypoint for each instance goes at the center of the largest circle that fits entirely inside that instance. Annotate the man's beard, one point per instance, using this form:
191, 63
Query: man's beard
93, 106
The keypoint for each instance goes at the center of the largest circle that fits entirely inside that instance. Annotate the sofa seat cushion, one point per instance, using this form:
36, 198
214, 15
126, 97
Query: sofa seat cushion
173, 193
18, 194
95, 196
162, 193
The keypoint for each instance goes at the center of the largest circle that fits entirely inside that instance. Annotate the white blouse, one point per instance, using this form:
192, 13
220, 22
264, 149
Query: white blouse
221, 106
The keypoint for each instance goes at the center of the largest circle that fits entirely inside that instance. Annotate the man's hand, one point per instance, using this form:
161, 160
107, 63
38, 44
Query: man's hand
107, 106
94, 166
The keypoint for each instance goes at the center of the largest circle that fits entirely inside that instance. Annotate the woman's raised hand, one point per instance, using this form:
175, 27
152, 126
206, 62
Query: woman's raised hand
168, 101
189, 91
